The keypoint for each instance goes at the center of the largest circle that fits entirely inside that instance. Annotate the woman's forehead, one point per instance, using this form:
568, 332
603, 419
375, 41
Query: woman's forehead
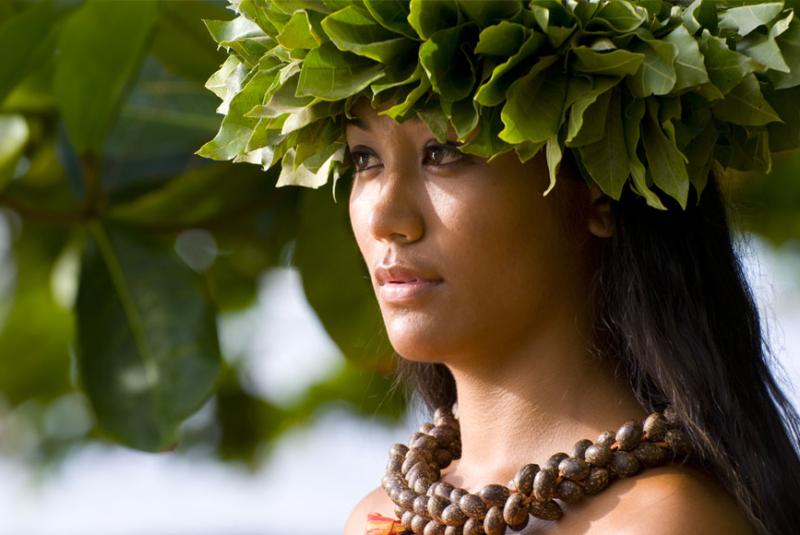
366, 118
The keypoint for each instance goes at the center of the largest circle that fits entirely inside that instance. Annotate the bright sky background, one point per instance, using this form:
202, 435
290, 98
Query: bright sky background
316, 475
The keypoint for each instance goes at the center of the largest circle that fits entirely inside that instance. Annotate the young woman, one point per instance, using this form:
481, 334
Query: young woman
551, 319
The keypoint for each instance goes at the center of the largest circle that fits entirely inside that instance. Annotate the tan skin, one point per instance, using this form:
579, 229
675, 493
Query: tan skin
509, 319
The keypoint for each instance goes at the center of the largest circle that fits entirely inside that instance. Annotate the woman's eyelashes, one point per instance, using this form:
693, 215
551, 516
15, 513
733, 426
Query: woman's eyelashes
435, 154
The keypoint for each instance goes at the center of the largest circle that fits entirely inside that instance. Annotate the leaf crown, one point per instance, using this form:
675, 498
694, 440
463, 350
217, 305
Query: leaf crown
651, 93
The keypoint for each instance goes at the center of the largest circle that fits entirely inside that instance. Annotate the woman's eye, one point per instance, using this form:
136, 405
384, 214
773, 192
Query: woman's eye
443, 154
361, 160
436, 155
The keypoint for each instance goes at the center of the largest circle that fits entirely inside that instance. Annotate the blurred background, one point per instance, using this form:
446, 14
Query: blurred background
184, 348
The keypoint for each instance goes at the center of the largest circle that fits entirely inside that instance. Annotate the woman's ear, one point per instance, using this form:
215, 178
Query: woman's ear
600, 218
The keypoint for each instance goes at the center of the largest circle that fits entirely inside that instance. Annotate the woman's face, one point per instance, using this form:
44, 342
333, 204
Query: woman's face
464, 255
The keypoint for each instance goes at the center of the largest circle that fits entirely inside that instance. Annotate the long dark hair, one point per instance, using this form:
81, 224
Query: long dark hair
674, 313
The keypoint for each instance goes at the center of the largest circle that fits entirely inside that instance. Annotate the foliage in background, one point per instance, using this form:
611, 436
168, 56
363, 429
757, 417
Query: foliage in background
124, 249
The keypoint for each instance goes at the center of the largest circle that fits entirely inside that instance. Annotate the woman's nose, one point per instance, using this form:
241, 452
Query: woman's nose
396, 214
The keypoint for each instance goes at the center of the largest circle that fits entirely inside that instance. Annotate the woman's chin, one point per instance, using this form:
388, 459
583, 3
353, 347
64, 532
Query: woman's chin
419, 342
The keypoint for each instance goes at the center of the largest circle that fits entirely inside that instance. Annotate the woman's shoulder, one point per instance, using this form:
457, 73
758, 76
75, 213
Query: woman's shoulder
669, 500
376, 501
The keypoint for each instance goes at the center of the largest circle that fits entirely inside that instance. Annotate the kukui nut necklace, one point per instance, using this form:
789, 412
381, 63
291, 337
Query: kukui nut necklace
427, 506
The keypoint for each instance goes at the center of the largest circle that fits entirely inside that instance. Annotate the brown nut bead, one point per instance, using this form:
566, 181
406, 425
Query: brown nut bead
548, 510
494, 495
426, 427
406, 519
398, 449
406, 499
473, 526
569, 491
516, 512
433, 528
655, 426
624, 463
473, 506
418, 524
432, 489
573, 468
555, 460
421, 485
579, 449
598, 454
456, 494
606, 438
598, 480
544, 484
442, 457
426, 442
494, 524
444, 434
523, 479
444, 490
650, 455
629, 435
436, 505
395, 463
420, 506
454, 530
453, 515
678, 442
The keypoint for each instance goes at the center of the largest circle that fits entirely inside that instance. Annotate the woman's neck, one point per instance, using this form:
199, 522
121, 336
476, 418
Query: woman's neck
526, 404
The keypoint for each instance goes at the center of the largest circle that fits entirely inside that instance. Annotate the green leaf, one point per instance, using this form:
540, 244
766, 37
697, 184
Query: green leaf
538, 94
726, 68
487, 143
429, 17
114, 36
22, 36
298, 32
588, 116
354, 30
14, 134
581, 95
493, 92
763, 49
634, 112
656, 75
689, 66
745, 19
487, 12
553, 155
502, 39
36, 329
615, 63
331, 74
745, 105
148, 354
236, 128
664, 160
789, 43
392, 14
447, 64
606, 160
331, 255
435, 119
621, 16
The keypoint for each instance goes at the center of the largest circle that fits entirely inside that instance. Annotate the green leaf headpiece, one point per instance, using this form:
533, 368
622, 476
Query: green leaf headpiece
654, 93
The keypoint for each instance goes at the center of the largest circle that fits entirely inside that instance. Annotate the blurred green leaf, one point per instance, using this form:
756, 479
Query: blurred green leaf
335, 279
147, 342
14, 134
22, 36
100, 49
34, 337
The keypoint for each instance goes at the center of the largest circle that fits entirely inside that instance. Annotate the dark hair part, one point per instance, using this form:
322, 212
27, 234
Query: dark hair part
673, 312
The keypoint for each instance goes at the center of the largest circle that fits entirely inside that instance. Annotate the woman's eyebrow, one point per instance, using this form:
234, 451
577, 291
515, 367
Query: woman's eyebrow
358, 123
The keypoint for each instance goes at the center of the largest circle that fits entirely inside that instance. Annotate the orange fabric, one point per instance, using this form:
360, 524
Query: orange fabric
382, 525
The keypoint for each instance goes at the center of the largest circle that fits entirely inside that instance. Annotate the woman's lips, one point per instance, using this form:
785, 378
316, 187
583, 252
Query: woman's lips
406, 291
